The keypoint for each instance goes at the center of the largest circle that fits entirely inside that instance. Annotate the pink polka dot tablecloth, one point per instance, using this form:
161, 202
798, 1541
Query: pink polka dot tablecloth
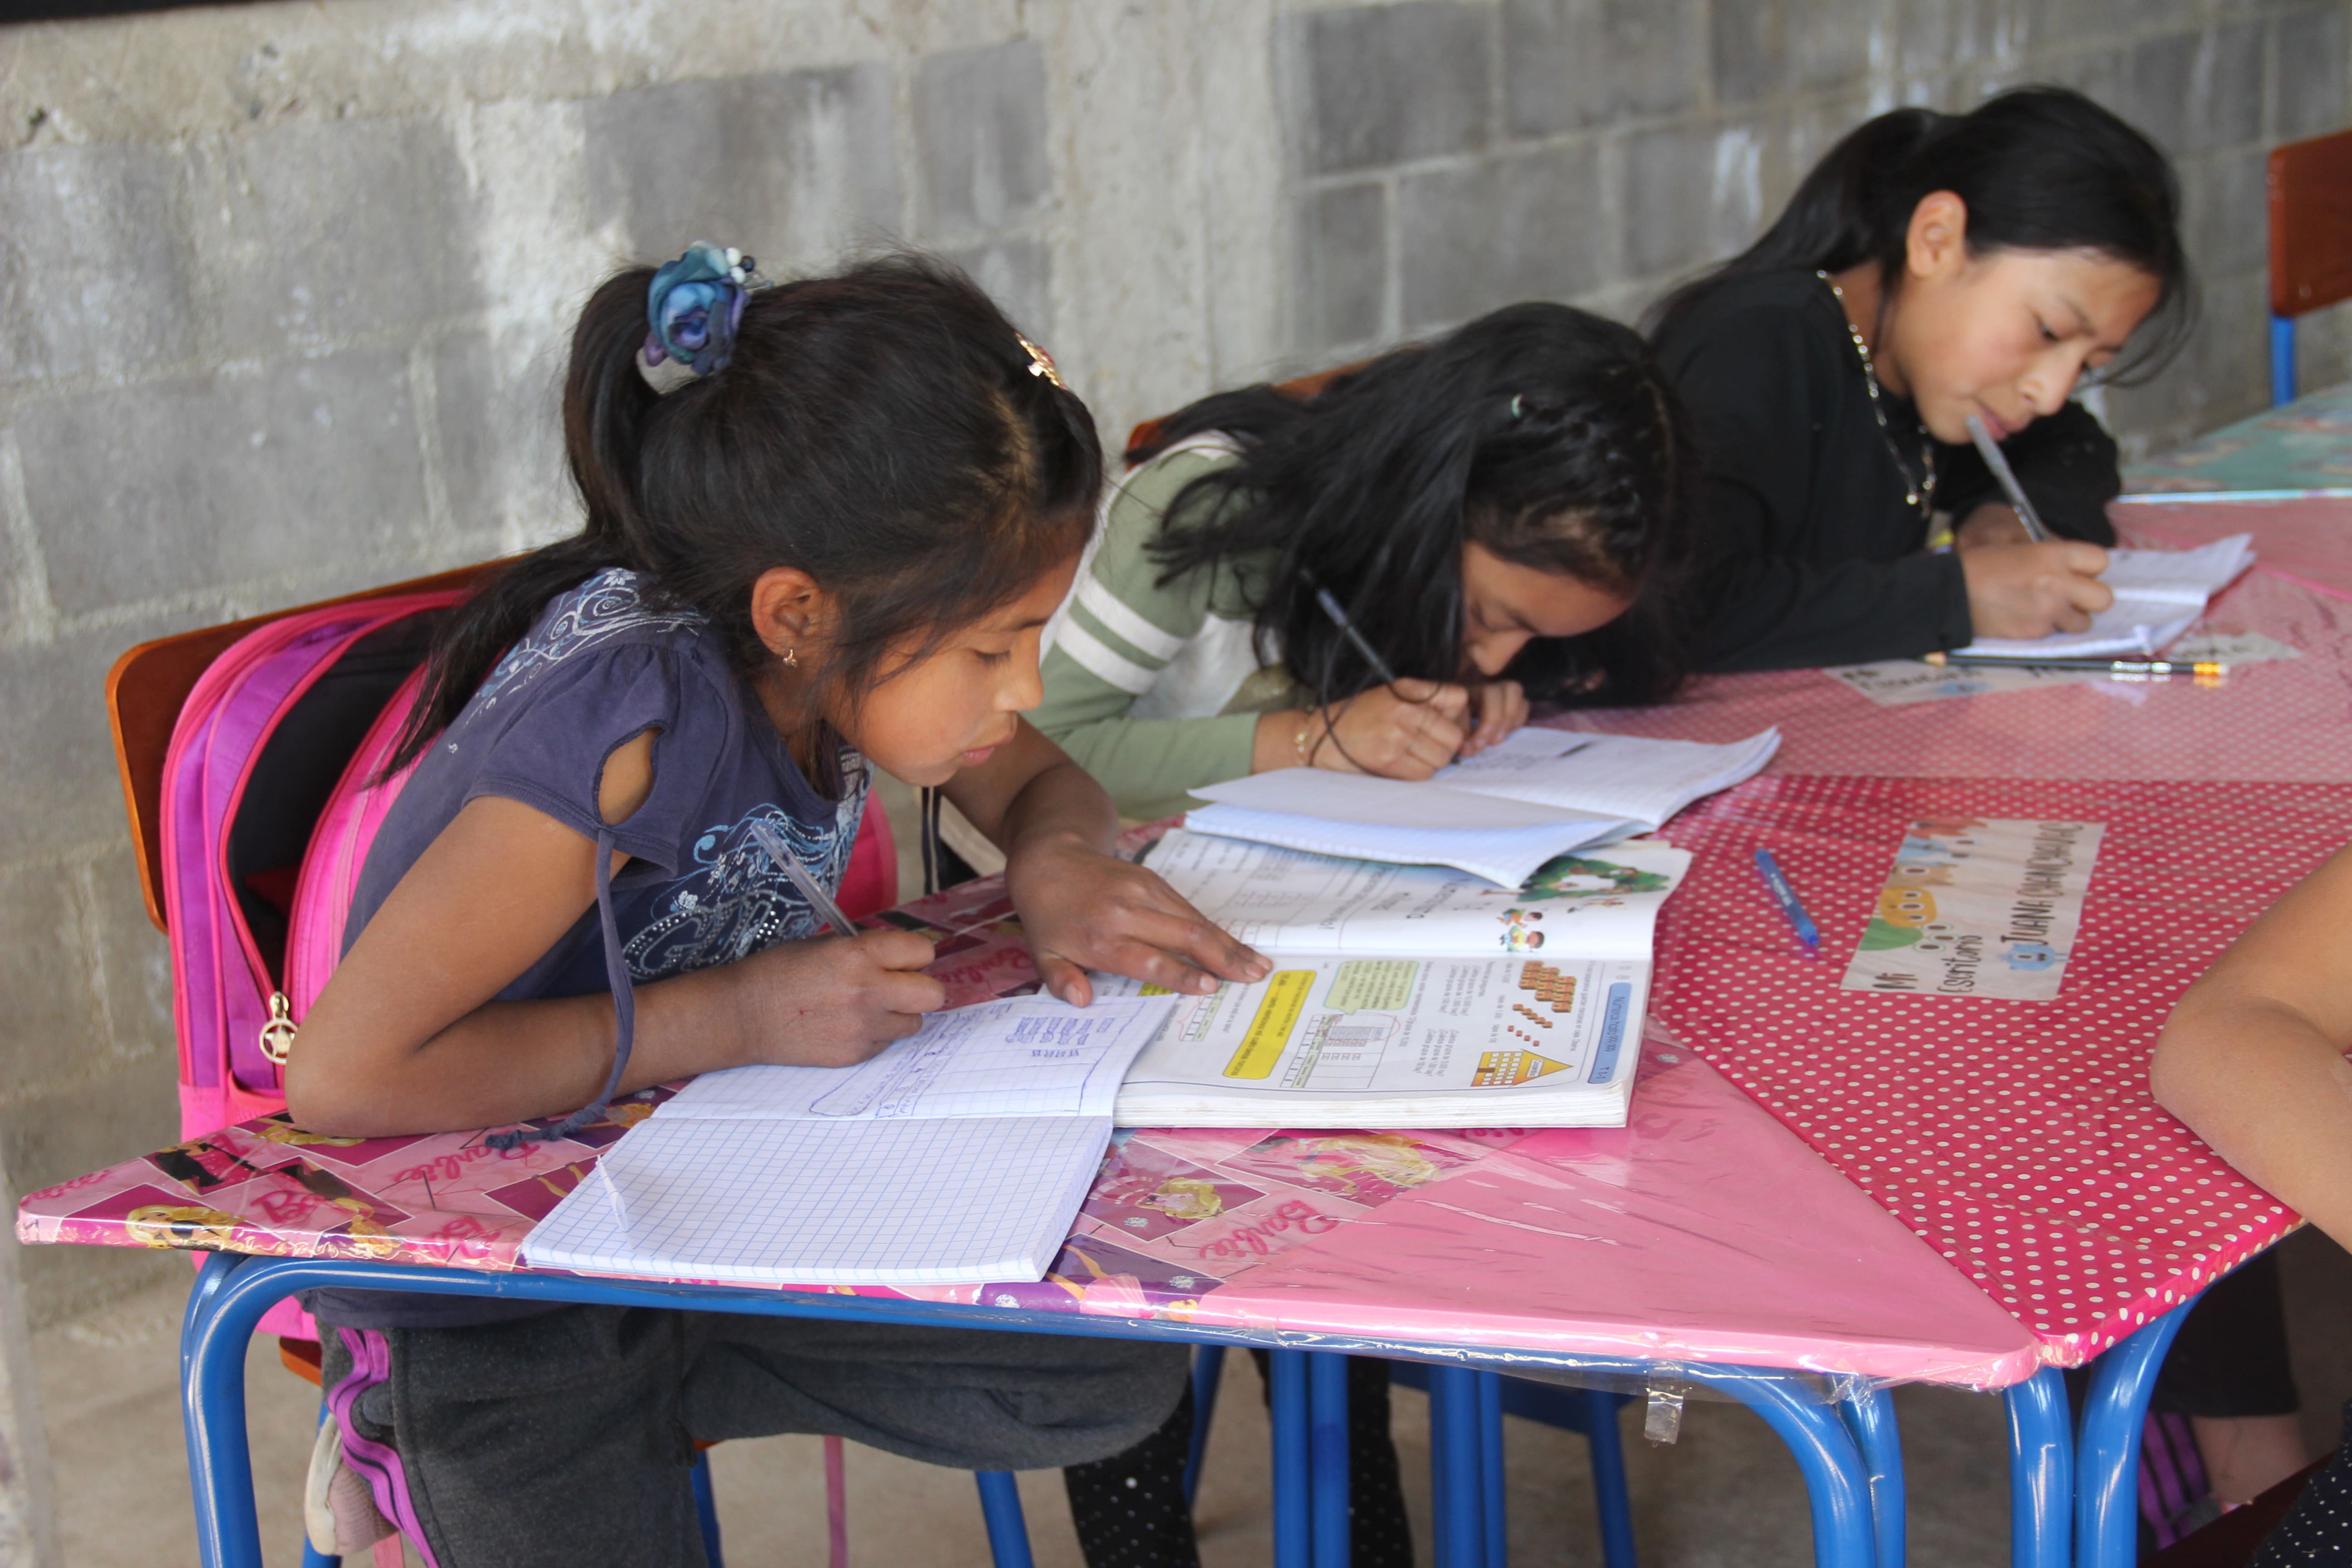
2290, 719
2017, 1138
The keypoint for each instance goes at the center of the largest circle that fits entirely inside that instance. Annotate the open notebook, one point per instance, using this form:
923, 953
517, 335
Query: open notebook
2160, 594
1500, 814
959, 1155
1407, 996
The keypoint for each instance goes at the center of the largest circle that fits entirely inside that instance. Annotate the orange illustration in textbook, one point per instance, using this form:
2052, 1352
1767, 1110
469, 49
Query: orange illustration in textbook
1505, 1069
1550, 985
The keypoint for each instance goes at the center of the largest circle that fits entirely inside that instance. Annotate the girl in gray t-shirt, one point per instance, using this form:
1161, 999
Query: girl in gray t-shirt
826, 523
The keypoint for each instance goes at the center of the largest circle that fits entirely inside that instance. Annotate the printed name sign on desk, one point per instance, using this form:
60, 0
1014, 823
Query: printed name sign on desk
1898, 682
1978, 907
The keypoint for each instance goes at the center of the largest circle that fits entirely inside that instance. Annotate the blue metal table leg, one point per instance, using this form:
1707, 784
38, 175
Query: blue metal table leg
1491, 1478
1208, 1372
234, 1292
2106, 1456
1008, 1528
1608, 1496
1456, 1468
1294, 1518
2040, 1472
1836, 1486
1326, 1389
213, 1338
1871, 1418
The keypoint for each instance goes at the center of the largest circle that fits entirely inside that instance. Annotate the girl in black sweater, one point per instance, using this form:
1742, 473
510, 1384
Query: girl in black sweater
1931, 268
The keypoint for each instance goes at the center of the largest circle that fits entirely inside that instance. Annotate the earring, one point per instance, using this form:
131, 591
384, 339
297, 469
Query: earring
792, 658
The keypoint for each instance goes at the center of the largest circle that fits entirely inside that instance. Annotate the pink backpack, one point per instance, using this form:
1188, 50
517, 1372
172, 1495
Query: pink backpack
270, 802
267, 741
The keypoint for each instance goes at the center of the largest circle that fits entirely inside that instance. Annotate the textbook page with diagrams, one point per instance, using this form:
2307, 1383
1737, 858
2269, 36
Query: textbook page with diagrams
1407, 996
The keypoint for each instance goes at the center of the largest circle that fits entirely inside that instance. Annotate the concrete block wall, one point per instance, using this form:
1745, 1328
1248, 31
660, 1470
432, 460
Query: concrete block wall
1454, 156
283, 286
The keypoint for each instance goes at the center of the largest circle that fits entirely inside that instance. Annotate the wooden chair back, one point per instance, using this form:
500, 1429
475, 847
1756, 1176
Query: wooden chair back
149, 685
1300, 387
2311, 224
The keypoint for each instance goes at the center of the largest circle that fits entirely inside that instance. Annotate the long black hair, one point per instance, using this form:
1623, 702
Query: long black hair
2039, 168
884, 430
1545, 434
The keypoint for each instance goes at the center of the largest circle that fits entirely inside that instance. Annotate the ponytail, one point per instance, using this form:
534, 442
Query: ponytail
885, 431
2039, 168
605, 403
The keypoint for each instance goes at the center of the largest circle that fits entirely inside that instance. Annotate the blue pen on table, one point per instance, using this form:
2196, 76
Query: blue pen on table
1776, 883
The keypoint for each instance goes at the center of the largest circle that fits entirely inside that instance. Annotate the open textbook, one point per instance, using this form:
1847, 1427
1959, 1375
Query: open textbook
2160, 594
1407, 996
960, 1155
1501, 815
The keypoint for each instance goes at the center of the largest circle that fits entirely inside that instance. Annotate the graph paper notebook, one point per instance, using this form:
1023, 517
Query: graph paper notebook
959, 1155
1407, 996
1500, 814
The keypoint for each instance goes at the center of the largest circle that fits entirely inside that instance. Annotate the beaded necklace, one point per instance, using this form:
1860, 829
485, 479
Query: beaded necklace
1920, 492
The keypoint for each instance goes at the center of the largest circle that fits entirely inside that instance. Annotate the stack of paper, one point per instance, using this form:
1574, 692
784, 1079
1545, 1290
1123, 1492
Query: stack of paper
959, 1155
1501, 815
1407, 996
2160, 594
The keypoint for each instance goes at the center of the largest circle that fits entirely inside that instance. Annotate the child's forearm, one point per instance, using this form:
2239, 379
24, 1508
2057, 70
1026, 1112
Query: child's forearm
2270, 1093
509, 1062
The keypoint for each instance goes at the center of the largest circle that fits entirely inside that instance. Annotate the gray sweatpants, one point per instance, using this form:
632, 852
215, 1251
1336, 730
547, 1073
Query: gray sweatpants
568, 1438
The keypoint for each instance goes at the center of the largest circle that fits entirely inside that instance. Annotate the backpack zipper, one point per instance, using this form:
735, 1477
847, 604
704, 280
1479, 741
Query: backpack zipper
277, 1034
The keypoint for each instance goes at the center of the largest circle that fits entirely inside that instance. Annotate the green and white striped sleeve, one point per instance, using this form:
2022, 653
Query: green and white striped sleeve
1124, 643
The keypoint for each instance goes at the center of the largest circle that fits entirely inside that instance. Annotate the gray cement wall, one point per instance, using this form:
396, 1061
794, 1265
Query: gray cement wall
282, 286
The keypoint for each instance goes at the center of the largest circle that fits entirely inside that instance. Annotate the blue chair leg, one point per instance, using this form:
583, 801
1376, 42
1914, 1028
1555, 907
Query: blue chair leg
706, 1509
1871, 1418
2107, 1458
2040, 1472
1327, 1441
1610, 1500
2283, 376
1008, 1528
1208, 1372
1294, 1519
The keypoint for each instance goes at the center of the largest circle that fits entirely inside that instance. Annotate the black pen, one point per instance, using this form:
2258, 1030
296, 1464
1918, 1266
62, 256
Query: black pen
1339, 619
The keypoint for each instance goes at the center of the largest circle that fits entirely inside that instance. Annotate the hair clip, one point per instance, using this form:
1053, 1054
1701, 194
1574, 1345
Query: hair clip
1518, 403
693, 307
1042, 363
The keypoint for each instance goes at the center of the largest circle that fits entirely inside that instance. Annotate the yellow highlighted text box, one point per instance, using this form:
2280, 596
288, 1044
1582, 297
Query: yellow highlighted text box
1277, 1012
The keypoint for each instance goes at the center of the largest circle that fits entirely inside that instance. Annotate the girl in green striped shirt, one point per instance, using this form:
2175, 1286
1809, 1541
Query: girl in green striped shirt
1501, 513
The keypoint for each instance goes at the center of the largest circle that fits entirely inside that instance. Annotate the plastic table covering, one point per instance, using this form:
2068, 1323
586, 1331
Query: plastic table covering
1703, 1232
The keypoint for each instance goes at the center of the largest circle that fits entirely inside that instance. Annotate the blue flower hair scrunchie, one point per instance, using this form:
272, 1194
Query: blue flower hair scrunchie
694, 306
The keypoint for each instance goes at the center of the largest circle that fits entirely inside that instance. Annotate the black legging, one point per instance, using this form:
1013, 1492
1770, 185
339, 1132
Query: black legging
1129, 1509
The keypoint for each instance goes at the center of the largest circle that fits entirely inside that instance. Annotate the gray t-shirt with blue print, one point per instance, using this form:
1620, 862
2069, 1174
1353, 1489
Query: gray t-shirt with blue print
602, 665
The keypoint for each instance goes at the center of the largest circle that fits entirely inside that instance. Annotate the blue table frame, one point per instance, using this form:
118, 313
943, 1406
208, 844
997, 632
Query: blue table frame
1856, 1502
